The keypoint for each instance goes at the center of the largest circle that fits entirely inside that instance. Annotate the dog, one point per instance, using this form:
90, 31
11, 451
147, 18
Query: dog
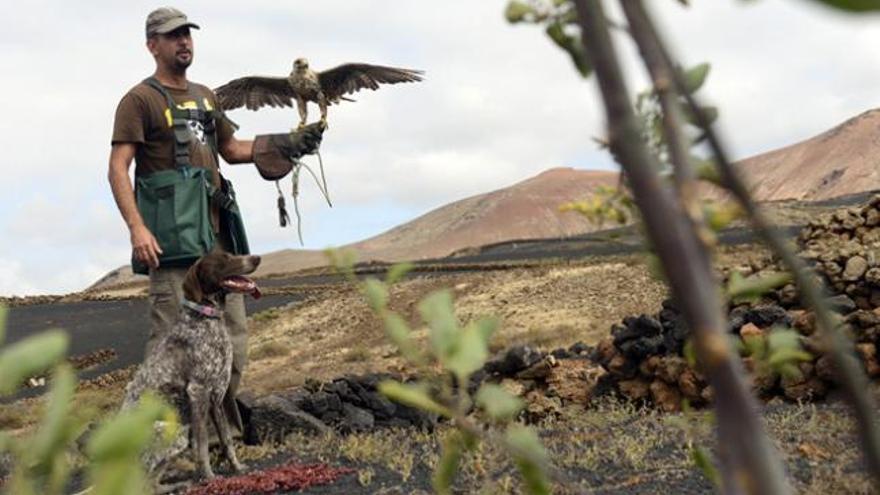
190, 366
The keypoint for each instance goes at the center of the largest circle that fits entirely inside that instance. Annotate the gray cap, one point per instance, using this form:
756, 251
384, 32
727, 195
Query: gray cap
166, 19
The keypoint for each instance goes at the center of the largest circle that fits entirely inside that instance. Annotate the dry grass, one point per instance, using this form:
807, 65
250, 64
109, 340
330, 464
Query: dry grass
548, 307
271, 349
20, 414
358, 353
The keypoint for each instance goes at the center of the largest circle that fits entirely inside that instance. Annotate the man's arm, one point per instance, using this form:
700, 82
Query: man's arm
234, 151
146, 248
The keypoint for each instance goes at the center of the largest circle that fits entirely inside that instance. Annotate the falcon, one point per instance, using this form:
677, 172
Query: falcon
304, 85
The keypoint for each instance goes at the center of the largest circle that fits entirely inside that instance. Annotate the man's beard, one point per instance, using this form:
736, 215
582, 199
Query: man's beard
182, 64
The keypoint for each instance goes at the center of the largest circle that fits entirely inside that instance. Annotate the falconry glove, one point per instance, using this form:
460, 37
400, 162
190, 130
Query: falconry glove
276, 154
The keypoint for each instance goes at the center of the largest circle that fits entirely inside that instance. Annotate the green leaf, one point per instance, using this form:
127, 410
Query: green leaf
781, 339
853, 5
695, 77
707, 170
530, 458
469, 354
789, 370
741, 289
3, 312
720, 215
485, 327
119, 477
342, 260
754, 346
571, 45
690, 353
58, 428
655, 267
786, 356
704, 464
376, 293
47, 451
413, 396
397, 272
444, 475
29, 357
498, 403
709, 112
399, 333
129, 432
518, 11
438, 312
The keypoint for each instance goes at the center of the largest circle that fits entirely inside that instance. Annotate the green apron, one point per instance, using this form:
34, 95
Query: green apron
175, 204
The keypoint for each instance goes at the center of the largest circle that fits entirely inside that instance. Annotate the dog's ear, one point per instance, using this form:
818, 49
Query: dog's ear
192, 285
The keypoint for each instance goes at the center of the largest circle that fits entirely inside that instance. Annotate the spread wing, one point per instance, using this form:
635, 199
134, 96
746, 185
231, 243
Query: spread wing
255, 92
349, 78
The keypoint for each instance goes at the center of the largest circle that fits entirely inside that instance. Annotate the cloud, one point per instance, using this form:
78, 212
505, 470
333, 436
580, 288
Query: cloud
499, 104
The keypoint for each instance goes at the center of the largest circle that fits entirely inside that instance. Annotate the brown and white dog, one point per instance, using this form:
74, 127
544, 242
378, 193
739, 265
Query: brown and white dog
190, 366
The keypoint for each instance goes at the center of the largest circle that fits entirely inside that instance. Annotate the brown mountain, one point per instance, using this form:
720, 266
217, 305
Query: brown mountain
844, 160
525, 210
841, 161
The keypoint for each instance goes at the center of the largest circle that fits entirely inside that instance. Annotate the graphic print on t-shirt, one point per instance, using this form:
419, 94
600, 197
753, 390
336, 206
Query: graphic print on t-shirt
196, 128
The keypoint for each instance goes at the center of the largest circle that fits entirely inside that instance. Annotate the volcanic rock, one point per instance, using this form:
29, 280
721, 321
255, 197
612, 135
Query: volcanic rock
273, 417
573, 381
539, 370
855, 268
514, 360
750, 330
665, 396
842, 304
868, 354
690, 385
539, 406
356, 419
634, 390
767, 315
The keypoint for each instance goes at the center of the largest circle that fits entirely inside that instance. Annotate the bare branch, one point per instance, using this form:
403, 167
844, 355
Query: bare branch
850, 374
749, 463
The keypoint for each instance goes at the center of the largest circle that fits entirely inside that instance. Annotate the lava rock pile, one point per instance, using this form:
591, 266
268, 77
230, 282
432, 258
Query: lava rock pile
545, 381
644, 354
644, 357
347, 404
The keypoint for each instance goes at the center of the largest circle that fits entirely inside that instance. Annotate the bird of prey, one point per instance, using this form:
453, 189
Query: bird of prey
304, 85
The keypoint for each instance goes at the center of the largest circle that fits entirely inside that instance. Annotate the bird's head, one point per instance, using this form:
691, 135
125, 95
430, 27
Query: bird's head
300, 64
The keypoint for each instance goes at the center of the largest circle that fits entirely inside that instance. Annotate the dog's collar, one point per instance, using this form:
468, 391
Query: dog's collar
202, 309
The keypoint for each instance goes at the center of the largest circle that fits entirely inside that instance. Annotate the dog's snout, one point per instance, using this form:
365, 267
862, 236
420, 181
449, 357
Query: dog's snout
255, 260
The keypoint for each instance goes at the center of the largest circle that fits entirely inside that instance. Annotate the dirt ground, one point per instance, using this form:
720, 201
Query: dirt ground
548, 307
610, 448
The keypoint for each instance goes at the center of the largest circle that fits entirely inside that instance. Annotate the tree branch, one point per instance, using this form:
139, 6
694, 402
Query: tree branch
850, 374
749, 463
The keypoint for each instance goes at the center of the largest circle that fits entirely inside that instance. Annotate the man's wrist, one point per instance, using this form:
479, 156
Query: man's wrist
136, 224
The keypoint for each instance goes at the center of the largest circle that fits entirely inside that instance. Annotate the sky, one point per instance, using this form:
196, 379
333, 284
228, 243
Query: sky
499, 104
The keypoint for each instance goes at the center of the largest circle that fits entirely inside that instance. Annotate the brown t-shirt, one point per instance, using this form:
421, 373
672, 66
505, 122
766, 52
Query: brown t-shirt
141, 119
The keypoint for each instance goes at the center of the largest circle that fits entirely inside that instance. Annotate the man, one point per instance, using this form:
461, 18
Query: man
169, 124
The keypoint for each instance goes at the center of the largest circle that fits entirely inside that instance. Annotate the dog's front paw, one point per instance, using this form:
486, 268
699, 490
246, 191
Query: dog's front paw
239, 467
207, 474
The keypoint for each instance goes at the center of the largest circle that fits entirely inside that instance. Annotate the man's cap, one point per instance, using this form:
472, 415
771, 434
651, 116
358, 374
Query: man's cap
166, 19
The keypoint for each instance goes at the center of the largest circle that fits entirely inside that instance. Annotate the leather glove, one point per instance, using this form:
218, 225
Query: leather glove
274, 153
